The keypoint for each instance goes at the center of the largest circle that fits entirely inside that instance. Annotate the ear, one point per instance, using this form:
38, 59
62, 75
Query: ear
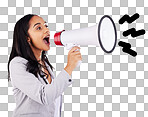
28, 39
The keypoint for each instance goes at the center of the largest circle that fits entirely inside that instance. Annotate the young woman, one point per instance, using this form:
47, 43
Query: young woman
37, 92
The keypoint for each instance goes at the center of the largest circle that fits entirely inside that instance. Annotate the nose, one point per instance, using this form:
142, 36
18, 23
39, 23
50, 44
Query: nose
47, 30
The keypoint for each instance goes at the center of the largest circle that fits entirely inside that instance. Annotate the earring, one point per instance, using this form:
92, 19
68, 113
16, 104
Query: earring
29, 43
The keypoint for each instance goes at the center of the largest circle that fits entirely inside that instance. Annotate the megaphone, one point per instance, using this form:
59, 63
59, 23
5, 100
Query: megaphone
103, 34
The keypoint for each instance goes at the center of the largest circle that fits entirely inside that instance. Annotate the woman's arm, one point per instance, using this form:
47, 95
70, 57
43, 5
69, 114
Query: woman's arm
28, 84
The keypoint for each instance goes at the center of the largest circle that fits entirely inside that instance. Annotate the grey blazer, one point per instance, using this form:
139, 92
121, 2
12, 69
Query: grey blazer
33, 97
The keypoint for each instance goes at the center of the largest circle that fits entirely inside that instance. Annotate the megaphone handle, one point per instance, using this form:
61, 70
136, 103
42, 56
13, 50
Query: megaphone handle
70, 46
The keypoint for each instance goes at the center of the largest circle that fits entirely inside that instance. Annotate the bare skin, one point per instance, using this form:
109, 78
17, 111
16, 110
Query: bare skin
47, 72
38, 30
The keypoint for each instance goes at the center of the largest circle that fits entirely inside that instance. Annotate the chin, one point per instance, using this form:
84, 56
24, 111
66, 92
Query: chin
46, 49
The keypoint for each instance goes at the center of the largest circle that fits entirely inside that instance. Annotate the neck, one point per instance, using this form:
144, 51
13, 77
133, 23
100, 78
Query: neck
37, 53
38, 56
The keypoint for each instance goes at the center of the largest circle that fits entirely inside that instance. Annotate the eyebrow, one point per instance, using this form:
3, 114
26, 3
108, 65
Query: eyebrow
38, 24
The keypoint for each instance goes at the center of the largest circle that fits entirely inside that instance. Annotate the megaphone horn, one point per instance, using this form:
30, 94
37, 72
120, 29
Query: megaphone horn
103, 34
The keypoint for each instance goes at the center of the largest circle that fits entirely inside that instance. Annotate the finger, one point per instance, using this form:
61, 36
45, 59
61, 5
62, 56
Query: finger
76, 53
74, 49
78, 56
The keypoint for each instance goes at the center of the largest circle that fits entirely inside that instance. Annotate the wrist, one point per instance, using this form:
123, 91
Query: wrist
68, 70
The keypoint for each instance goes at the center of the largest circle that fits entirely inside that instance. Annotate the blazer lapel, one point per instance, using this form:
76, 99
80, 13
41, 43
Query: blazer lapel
51, 72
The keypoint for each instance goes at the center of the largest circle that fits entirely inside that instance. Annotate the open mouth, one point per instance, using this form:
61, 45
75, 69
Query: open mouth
46, 40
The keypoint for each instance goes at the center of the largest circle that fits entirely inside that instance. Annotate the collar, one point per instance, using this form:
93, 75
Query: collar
49, 69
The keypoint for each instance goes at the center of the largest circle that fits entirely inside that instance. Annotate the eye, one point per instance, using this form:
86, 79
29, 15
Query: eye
39, 28
46, 26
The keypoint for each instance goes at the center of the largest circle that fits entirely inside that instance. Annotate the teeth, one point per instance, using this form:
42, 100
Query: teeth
47, 37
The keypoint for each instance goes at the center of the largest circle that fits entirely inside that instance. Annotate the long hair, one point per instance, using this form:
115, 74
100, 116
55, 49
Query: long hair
21, 47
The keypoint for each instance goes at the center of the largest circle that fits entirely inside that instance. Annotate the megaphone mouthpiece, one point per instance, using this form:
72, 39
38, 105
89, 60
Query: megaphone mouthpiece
57, 38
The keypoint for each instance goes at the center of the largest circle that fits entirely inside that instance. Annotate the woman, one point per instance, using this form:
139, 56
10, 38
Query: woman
36, 90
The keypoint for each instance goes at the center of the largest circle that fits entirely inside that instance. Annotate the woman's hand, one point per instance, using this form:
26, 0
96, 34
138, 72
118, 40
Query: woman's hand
74, 56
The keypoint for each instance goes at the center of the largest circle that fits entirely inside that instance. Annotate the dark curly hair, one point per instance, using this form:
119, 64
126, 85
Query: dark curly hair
20, 47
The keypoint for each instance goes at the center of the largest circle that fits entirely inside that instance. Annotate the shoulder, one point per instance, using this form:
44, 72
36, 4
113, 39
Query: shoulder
17, 66
17, 60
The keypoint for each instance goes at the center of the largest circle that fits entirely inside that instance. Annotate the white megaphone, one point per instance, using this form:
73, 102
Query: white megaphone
103, 34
